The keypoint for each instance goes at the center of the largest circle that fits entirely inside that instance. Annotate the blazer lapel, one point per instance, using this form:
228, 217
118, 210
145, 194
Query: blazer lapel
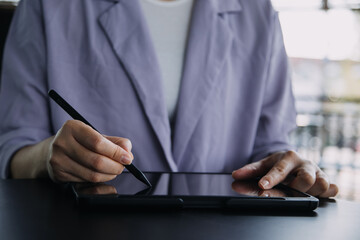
126, 29
208, 45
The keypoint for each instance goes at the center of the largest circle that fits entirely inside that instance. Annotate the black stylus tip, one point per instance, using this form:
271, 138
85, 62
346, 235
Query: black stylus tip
138, 174
143, 178
146, 181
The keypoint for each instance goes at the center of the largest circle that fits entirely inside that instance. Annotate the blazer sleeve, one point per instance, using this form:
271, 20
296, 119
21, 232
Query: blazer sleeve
24, 110
278, 114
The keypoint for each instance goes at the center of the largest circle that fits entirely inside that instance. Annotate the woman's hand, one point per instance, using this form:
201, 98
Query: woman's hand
78, 153
289, 168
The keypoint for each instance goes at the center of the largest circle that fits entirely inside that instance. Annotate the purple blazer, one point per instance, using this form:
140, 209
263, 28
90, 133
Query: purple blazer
235, 104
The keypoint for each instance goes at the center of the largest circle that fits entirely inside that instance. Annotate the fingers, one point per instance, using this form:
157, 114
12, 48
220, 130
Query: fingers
66, 170
79, 153
288, 168
65, 177
305, 176
94, 160
331, 192
322, 187
321, 184
122, 142
285, 163
95, 142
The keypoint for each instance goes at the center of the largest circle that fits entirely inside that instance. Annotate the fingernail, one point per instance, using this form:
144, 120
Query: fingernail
264, 183
125, 160
128, 145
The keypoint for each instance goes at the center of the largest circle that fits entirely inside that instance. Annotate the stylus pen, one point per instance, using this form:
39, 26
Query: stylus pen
75, 115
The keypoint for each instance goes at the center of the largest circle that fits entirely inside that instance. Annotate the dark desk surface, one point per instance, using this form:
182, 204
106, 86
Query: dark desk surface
39, 209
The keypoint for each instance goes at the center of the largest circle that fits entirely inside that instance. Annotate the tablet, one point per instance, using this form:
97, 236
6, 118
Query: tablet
189, 190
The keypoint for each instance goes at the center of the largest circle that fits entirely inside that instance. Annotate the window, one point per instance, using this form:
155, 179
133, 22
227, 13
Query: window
322, 39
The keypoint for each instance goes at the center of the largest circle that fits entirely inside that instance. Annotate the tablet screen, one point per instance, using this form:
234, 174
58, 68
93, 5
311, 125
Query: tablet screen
184, 184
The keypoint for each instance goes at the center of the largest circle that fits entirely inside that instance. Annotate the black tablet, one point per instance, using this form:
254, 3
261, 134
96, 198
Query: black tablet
190, 190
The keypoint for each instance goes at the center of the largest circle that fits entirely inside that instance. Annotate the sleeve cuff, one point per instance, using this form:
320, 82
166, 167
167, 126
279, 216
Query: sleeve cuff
12, 141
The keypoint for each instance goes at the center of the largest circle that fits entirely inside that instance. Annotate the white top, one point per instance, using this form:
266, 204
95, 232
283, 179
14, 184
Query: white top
169, 22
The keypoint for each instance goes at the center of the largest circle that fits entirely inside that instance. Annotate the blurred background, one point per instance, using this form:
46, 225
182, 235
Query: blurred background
322, 39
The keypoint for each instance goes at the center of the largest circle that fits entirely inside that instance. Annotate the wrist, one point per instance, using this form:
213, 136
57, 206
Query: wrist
41, 169
30, 161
